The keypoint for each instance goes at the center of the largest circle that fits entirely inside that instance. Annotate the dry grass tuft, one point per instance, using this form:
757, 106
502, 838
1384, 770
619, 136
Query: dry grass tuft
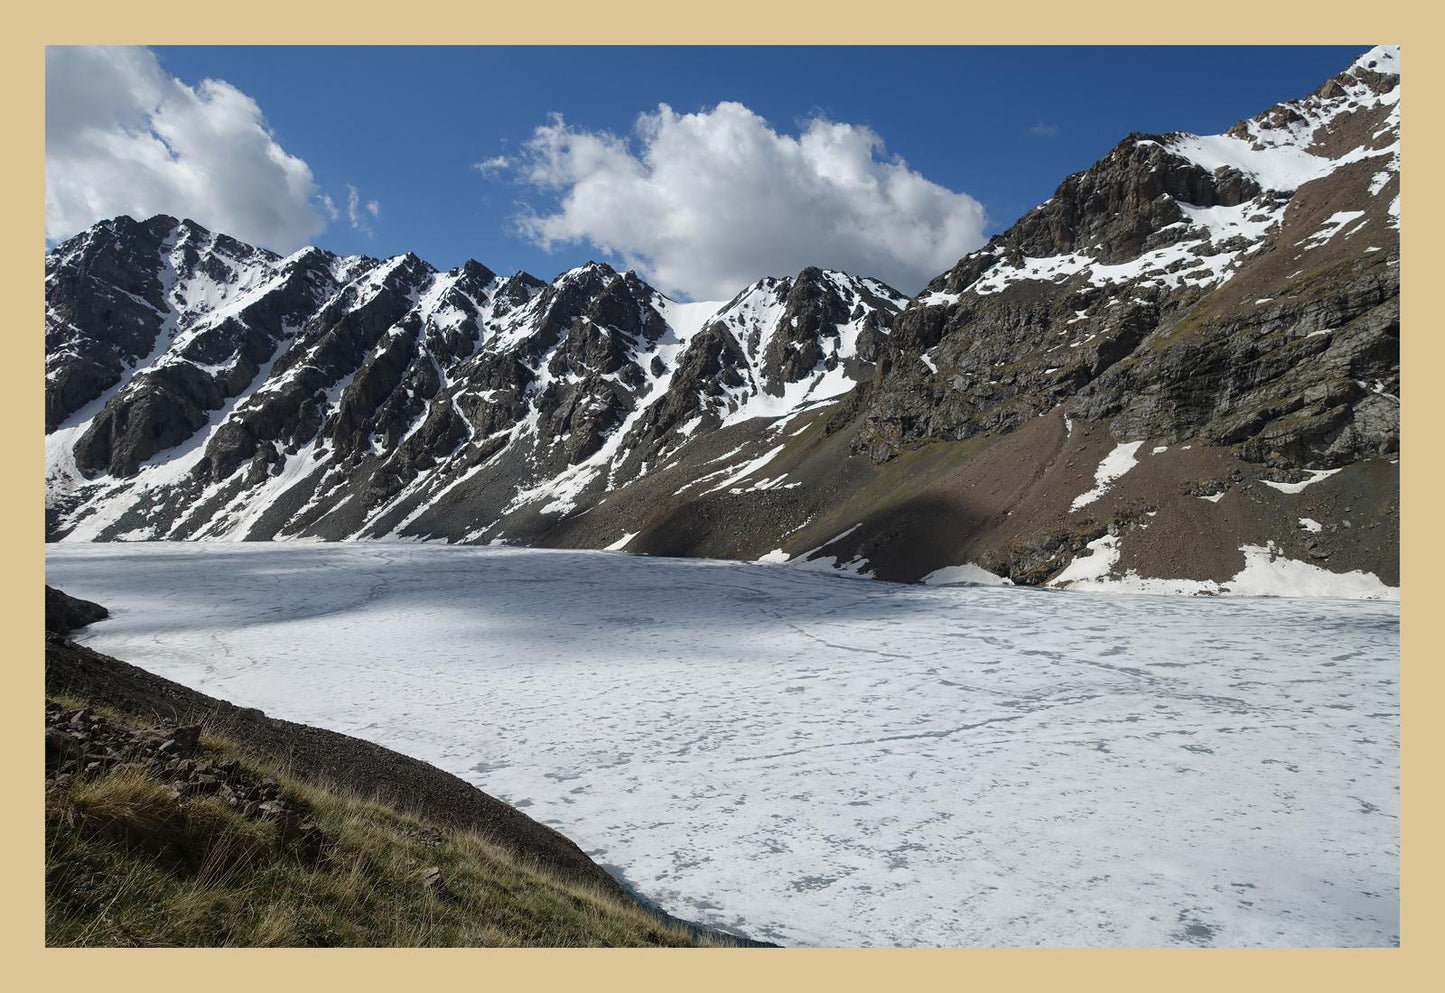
130, 863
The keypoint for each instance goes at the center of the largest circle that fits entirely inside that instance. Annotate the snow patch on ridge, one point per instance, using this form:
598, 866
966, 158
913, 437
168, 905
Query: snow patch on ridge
967, 574
621, 543
1314, 476
1267, 572
1114, 465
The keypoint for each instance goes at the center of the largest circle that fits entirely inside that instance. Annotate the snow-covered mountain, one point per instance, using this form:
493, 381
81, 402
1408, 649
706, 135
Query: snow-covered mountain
1178, 371
220, 391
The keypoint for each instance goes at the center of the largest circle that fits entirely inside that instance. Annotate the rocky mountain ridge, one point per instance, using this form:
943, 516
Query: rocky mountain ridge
216, 369
1193, 330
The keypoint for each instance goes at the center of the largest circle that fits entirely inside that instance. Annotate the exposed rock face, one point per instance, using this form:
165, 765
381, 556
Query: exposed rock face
1241, 289
65, 613
104, 305
1122, 205
1230, 299
335, 396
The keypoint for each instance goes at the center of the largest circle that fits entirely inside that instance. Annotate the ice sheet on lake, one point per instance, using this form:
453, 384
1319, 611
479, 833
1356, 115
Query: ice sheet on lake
815, 761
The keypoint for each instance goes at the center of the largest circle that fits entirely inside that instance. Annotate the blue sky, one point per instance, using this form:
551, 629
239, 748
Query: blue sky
406, 126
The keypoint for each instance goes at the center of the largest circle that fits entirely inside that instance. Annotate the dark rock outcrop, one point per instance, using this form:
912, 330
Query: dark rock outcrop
65, 613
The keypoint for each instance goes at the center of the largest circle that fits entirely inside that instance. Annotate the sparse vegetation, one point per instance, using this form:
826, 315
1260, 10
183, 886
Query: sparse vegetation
130, 862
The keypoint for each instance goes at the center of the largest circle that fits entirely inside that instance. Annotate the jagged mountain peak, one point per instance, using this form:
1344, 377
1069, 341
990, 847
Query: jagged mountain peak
1383, 60
1181, 209
473, 270
1230, 298
594, 272
333, 366
1164, 261
1352, 116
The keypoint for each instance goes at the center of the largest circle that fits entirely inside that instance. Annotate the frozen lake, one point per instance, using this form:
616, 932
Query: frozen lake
822, 761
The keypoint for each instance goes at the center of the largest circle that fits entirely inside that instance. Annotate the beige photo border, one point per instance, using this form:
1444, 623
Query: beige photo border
29, 965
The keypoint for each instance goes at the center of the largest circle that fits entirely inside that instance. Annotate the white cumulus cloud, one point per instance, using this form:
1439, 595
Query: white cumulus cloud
705, 203
124, 137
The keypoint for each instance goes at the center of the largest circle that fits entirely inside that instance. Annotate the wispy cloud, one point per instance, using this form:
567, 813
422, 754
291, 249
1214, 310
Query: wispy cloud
354, 208
493, 165
1042, 130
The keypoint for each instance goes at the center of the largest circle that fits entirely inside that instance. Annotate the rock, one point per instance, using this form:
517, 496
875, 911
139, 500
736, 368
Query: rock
229, 781
1203, 487
60, 748
272, 810
432, 882
186, 738
1158, 360
311, 843
427, 837
64, 613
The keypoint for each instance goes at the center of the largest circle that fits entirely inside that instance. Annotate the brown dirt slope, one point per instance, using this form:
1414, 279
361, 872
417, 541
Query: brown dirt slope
1001, 501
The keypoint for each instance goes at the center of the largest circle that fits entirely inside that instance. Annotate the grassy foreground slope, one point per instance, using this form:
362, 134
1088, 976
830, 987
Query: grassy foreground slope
136, 857
174, 818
